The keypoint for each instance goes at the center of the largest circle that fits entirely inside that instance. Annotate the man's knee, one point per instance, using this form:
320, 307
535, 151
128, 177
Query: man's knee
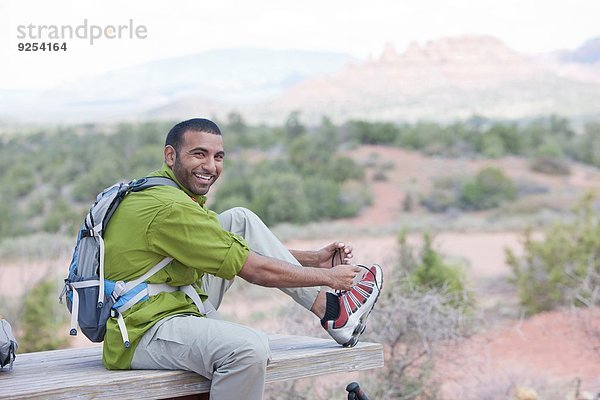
237, 216
255, 350
239, 212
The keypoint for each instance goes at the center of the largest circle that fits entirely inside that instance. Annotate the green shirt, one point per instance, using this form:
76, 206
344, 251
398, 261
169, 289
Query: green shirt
148, 226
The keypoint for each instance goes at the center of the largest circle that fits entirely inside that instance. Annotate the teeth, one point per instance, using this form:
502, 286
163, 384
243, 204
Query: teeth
205, 177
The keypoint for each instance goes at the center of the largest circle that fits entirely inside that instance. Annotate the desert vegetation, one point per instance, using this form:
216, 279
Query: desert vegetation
322, 181
50, 175
563, 268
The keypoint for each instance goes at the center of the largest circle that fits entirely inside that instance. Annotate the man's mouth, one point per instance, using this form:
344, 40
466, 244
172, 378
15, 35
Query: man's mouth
203, 177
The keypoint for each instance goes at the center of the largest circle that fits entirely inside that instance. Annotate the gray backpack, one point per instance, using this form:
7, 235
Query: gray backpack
91, 298
8, 345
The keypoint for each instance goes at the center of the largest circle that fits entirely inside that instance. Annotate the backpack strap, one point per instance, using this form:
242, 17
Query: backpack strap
100, 239
163, 263
151, 289
204, 307
151, 181
134, 186
121, 288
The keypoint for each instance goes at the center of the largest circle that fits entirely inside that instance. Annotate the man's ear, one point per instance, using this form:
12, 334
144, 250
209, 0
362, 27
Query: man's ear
170, 155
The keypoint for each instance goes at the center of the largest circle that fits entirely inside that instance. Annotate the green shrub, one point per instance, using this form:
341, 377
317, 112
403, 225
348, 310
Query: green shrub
62, 218
279, 198
488, 189
21, 179
550, 166
587, 146
492, 146
444, 195
429, 270
562, 269
41, 320
86, 187
373, 132
414, 322
308, 183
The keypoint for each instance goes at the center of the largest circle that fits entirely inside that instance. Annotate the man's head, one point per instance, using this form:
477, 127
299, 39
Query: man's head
194, 151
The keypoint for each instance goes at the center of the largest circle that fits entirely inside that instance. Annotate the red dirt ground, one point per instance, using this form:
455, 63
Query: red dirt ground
544, 350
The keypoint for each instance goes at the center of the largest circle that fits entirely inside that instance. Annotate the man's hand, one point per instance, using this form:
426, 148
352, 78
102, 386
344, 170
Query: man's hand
334, 254
271, 272
342, 276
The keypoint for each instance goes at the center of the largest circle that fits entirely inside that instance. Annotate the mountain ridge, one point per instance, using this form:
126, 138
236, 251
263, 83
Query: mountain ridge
445, 79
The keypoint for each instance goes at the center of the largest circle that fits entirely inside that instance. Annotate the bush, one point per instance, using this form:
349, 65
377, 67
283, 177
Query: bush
279, 198
429, 270
62, 218
416, 318
550, 166
309, 182
562, 269
41, 319
373, 132
492, 146
488, 189
444, 195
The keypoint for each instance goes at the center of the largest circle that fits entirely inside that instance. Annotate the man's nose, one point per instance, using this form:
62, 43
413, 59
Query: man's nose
209, 165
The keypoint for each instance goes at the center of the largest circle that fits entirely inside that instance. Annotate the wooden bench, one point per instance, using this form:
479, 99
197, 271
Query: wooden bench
78, 373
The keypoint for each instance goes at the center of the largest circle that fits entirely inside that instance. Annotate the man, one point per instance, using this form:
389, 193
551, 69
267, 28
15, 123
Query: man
167, 330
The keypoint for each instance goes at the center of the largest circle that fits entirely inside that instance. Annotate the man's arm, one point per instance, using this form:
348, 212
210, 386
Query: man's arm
271, 272
307, 258
341, 252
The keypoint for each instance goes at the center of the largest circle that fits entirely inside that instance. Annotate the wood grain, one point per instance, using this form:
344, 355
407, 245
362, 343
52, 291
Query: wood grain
78, 373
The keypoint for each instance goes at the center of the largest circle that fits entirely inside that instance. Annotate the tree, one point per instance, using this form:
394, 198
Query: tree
588, 145
236, 123
374, 132
293, 127
564, 268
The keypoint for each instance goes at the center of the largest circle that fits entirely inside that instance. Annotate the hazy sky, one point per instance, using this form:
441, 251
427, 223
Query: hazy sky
361, 28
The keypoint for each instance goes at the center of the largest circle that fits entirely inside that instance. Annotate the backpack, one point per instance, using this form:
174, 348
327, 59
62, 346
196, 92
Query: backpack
91, 299
8, 345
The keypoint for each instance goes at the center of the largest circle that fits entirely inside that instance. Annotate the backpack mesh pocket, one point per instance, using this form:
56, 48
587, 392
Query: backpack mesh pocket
91, 318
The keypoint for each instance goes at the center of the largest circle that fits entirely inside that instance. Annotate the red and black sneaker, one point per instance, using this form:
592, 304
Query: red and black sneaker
355, 305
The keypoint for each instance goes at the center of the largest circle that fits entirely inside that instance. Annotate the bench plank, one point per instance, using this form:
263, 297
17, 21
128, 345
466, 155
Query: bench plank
69, 373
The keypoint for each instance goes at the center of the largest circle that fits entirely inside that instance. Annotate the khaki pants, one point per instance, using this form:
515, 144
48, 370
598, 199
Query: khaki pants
233, 356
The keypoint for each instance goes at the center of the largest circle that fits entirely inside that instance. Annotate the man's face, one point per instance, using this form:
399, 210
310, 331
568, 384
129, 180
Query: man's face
199, 161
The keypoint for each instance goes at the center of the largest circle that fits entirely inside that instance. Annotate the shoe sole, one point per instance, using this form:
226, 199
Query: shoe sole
362, 325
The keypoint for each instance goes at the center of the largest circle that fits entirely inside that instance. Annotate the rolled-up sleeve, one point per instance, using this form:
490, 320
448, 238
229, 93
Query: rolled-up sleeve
193, 236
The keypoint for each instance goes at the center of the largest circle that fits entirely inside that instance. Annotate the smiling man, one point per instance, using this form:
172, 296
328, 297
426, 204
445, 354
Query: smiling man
169, 330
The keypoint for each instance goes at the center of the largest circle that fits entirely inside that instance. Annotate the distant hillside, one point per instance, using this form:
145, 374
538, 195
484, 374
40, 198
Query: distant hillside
581, 65
442, 80
587, 53
228, 76
231, 75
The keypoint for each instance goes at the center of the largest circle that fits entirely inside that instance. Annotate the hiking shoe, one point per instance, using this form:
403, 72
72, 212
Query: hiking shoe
355, 305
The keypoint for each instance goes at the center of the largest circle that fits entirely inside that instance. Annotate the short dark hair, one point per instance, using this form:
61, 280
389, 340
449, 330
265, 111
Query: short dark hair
175, 135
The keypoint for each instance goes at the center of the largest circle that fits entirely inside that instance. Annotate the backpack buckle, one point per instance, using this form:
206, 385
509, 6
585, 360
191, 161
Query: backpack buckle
138, 182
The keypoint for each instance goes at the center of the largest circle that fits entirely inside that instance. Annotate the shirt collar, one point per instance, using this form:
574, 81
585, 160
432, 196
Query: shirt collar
167, 172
